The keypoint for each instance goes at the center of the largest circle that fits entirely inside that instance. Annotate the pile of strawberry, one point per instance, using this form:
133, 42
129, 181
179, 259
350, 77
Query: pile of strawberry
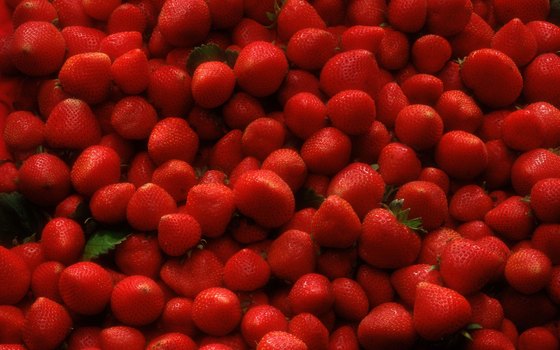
239, 174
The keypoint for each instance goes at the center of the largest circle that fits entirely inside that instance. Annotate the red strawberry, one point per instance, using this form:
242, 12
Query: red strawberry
216, 311
335, 224
62, 240
310, 329
394, 50
493, 77
260, 68
71, 13
245, 165
439, 311
389, 102
75, 287
128, 17
140, 169
37, 48
170, 341
280, 339
365, 12
206, 79
289, 165
433, 244
310, 47
44, 280
50, 93
108, 204
388, 239
500, 161
408, 16
425, 200
81, 39
422, 88
528, 270
130, 71
44, 179
546, 34
177, 177
12, 320
525, 10
188, 277
405, 280
23, 131
305, 113
545, 202
77, 72
532, 166
169, 90
447, 18
47, 324
296, 81
419, 126
398, 164
147, 205
350, 299
15, 273
33, 10
512, 219
366, 147
295, 15
133, 291
184, 23
31, 253
376, 283
262, 136
133, 118
525, 48
489, 338
430, 53
311, 293
527, 310
72, 124
337, 263
259, 320
99, 9
225, 14
118, 337
172, 138
178, 233
486, 311
466, 267
359, 185
459, 111
549, 115
351, 111
97, 166
362, 37
315, 151
477, 34
249, 30
470, 203
468, 148
344, 337
177, 317
291, 255
539, 77
226, 152
246, 271
387, 326
538, 337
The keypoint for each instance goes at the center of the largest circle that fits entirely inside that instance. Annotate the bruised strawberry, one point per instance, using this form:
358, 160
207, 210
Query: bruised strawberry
387, 326
47, 324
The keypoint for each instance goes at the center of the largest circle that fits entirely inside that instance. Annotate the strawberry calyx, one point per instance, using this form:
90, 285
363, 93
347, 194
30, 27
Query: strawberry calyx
396, 208
207, 53
273, 15
470, 327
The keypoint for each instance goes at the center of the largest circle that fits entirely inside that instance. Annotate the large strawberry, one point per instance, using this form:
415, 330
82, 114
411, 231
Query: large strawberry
139, 254
462, 155
97, 166
172, 138
398, 164
147, 205
246, 271
87, 76
525, 48
512, 219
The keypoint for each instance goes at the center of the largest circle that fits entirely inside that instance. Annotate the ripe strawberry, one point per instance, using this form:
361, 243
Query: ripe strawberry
197, 272
62, 240
539, 76
170, 341
87, 76
47, 324
44, 179
14, 272
245, 165
387, 326
292, 255
439, 311
72, 124
128, 17
44, 280
177, 317
296, 81
433, 244
74, 286
289, 165
212, 84
538, 337
259, 320
527, 310
361, 37
147, 205
295, 15
337, 263
470, 203
500, 161
459, 111
467, 147
365, 12
528, 270
184, 23
376, 283
133, 118
405, 280
349, 70
178, 233
493, 77
169, 90
248, 30
388, 239
425, 200
430, 53
246, 271
37, 48
310, 330
512, 219
343, 337
225, 15
549, 115
447, 18
335, 224
311, 293
49, 94
350, 300
310, 47
422, 88
140, 169
389, 102
466, 267
177, 177
532, 166
394, 50
31, 253
305, 113
351, 111
81, 39
262, 136
118, 337
545, 238
451, 77
398, 164
98, 9
553, 287
526, 45
280, 339
367, 147
326, 158
486, 311
419, 126
97, 166
33, 10
137, 290
525, 10
407, 16
23, 131
546, 34
172, 138
489, 338
108, 204
545, 202
12, 320
216, 311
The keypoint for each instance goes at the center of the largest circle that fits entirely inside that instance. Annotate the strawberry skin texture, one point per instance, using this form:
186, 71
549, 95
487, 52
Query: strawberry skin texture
47, 324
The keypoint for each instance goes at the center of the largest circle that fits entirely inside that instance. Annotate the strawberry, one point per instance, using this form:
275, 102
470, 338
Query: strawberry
184, 23
422, 88
361, 37
133, 118
44, 280
512, 219
525, 48
50, 93
405, 280
553, 287
117, 337
172, 340
31, 253
546, 34
549, 115
525, 10
366, 12
486, 311
335, 224
169, 90
528, 270
259, 320
72, 124
394, 50
430, 53
447, 18
139, 254
451, 77
172, 138
470, 203
127, 17
545, 202
493, 77
137, 290
466, 267
388, 239
44, 179
248, 30
538, 337
33, 10
15, 272
77, 72
12, 320
407, 16
62, 240
389, 102
367, 147
187, 277
500, 161
305, 113
246, 271
398, 164
288, 164
37, 48
458, 144
439, 311
96, 166
216, 311
47, 324
387, 326
280, 339
351, 111
206, 79
241, 109
245, 165
532, 166
425, 200
226, 14
108, 204
310, 47
295, 15
435, 175
81, 39
311, 293
489, 338
296, 81
178, 233
98, 9
260, 68
433, 244
292, 255
545, 238
140, 169
350, 299
74, 284
459, 111
349, 70
539, 76
527, 310
177, 317
315, 151
262, 136
147, 205
419, 126
310, 330
337, 263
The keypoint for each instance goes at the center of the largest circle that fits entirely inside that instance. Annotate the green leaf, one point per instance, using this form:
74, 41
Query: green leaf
19, 218
402, 215
473, 326
101, 242
204, 53
231, 57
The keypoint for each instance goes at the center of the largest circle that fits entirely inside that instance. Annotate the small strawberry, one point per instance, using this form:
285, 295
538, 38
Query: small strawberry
405, 280
280, 339
387, 326
47, 324
292, 255
133, 118
310, 47
528, 270
62, 240
216, 311
246, 271
335, 224
33, 10
23, 131
130, 72
147, 205
133, 291
398, 164
248, 30
310, 330
296, 81
439, 311
435, 175
312, 293
71, 13
96, 166
367, 147
226, 152
14, 272
140, 169
108, 204
545, 202
169, 90
459, 111
500, 160
177, 316
538, 337
12, 320
511, 219
118, 337
422, 88
172, 138
206, 79
259, 320
184, 23
467, 147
